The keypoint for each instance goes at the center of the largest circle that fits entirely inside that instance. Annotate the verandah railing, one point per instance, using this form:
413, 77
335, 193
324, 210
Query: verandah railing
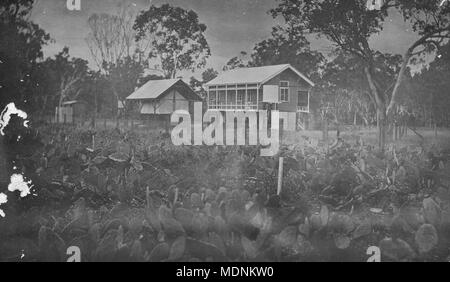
253, 107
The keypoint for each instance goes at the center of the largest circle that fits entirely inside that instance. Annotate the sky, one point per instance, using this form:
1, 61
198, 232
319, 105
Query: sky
232, 26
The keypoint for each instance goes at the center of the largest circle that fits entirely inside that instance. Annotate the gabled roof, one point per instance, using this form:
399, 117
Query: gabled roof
254, 75
154, 89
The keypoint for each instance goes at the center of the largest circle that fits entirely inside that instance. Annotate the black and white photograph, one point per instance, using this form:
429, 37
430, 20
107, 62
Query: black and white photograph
225, 137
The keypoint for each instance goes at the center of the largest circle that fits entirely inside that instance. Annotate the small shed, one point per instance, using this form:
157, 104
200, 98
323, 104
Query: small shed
161, 98
70, 111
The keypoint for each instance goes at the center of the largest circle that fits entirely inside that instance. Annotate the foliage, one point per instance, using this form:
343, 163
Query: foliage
288, 47
124, 76
240, 61
111, 37
175, 36
426, 93
20, 50
349, 25
120, 197
208, 75
65, 78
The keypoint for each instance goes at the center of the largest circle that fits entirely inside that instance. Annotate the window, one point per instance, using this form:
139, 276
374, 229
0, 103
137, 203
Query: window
302, 98
212, 98
284, 91
303, 101
222, 98
284, 83
231, 98
251, 99
240, 99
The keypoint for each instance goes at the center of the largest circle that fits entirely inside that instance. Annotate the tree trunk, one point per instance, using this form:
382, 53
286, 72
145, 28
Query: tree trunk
338, 130
58, 112
44, 106
325, 130
116, 95
94, 116
399, 81
382, 125
381, 109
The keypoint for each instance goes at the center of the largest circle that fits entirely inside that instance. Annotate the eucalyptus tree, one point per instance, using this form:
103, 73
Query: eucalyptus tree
350, 24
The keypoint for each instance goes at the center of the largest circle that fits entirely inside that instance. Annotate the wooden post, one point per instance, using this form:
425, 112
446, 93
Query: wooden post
226, 96
257, 97
208, 101
280, 162
280, 175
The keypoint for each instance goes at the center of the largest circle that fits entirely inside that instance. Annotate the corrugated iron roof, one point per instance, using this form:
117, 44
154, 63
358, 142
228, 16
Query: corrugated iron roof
152, 89
254, 75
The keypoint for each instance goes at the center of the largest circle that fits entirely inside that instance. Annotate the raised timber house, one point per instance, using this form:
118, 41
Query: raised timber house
279, 87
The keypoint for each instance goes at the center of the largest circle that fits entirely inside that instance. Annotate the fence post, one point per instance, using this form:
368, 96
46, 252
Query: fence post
280, 175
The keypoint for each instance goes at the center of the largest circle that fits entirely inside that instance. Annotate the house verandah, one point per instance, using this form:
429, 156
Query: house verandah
235, 97
250, 97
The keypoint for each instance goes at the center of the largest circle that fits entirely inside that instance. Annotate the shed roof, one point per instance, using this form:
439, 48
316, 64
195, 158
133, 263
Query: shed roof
154, 89
254, 75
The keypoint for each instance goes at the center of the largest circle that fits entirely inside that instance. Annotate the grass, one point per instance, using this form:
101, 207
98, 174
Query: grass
369, 136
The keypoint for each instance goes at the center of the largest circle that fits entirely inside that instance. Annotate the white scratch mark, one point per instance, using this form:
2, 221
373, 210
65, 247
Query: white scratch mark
3, 200
5, 116
19, 184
